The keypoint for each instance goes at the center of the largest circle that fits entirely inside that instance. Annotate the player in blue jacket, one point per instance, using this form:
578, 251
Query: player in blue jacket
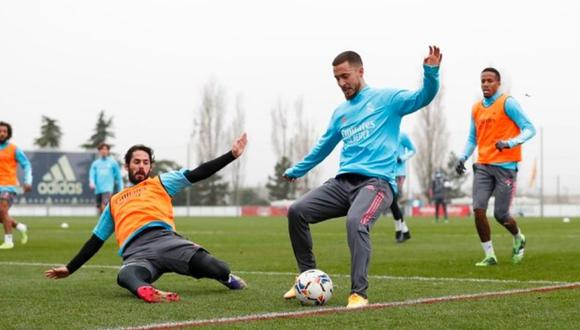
104, 175
368, 125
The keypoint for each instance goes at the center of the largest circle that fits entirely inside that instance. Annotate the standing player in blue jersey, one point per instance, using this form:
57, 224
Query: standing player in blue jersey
405, 151
10, 157
104, 175
498, 127
368, 124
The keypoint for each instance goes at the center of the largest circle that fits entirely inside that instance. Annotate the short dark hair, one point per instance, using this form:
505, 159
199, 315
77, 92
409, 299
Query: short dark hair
8, 128
494, 70
347, 56
141, 147
103, 145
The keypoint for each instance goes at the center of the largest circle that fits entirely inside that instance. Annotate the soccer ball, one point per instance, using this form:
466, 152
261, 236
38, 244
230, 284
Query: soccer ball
313, 287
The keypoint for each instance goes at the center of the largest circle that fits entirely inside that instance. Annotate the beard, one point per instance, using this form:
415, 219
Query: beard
142, 176
351, 89
3, 140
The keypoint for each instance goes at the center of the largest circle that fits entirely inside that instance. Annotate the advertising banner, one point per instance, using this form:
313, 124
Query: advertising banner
59, 178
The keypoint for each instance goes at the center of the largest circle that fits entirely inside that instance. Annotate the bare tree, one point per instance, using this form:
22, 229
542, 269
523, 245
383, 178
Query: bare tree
431, 137
280, 124
209, 130
237, 168
303, 140
291, 147
208, 122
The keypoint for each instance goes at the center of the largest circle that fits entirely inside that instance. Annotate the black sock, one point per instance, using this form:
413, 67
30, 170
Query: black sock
134, 277
204, 265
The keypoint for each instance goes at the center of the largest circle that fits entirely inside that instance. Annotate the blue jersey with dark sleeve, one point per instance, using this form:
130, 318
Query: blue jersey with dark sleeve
405, 151
173, 182
368, 125
515, 112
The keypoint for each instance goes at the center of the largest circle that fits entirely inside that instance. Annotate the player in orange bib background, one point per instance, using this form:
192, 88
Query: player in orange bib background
498, 128
10, 157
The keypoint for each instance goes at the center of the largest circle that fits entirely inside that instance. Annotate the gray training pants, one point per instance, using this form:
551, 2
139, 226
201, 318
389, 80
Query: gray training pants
361, 199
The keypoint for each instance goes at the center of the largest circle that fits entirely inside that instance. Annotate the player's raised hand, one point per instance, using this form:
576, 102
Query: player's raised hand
434, 57
288, 178
240, 145
460, 167
57, 272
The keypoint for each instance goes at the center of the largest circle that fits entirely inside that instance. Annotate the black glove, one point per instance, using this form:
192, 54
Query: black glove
501, 145
460, 168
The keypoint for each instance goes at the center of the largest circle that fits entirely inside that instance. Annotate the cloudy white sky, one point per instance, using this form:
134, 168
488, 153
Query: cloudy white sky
145, 63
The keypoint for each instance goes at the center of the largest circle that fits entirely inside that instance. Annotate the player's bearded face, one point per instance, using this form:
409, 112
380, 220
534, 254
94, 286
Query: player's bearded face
3, 134
140, 167
349, 78
489, 83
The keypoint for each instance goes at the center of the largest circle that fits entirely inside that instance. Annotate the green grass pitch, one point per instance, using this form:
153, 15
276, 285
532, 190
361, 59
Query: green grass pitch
438, 261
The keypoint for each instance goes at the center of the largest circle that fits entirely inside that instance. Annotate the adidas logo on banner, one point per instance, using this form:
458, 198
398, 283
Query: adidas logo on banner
60, 180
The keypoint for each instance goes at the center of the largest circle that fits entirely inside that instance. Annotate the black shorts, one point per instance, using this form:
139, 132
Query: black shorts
103, 198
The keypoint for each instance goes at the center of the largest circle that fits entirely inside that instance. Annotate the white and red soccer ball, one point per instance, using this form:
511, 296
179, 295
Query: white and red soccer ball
313, 287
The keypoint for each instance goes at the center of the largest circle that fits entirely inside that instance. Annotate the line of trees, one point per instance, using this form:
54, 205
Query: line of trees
292, 136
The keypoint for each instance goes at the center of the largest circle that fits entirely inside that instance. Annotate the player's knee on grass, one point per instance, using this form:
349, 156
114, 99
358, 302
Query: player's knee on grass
133, 277
204, 265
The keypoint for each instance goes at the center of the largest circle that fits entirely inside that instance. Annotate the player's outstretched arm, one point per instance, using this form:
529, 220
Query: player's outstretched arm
207, 169
409, 101
92, 246
57, 272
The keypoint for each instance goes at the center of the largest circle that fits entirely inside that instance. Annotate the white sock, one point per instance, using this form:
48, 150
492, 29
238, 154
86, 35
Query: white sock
21, 227
398, 225
8, 238
488, 248
518, 235
404, 228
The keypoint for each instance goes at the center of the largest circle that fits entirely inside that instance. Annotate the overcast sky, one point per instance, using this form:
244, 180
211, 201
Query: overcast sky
145, 63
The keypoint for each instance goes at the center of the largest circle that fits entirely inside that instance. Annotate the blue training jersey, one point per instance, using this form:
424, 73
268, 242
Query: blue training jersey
173, 181
104, 174
24, 163
515, 112
368, 125
405, 151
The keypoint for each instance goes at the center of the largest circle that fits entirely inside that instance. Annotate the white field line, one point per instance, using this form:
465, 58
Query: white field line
378, 277
334, 310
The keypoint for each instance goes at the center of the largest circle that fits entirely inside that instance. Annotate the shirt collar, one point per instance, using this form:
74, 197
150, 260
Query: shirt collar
487, 101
